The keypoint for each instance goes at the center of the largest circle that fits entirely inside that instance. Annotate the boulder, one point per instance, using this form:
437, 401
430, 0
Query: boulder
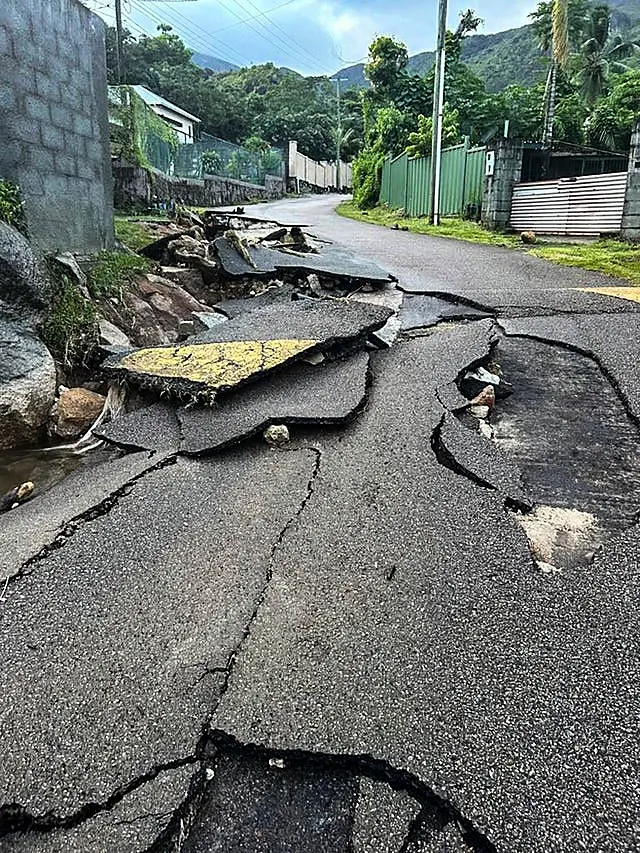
76, 410
152, 310
27, 383
24, 283
111, 335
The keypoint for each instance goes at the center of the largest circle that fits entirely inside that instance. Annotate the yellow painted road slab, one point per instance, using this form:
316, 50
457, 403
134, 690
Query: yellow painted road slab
631, 293
212, 366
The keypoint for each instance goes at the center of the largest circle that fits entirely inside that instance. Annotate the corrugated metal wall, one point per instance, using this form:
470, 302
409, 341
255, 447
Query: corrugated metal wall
406, 183
585, 206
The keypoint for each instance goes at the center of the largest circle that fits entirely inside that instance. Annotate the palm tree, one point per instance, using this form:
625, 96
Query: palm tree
559, 25
601, 53
559, 60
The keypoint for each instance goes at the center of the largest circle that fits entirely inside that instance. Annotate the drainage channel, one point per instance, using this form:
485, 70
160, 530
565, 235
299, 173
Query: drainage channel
567, 430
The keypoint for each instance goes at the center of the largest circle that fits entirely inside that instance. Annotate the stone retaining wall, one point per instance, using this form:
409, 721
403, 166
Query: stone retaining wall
135, 187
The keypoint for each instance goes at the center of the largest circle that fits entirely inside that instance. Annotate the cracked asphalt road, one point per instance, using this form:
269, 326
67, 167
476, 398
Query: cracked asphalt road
349, 605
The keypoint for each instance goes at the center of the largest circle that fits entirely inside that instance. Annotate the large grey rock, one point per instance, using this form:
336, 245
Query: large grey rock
23, 281
27, 383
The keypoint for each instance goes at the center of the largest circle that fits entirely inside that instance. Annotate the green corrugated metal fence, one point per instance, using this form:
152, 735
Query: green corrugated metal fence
407, 183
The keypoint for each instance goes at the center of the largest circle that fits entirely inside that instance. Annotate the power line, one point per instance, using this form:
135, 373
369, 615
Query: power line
263, 35
277, 28
197, 38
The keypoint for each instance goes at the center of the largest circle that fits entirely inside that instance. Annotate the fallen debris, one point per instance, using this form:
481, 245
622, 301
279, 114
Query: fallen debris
277, 435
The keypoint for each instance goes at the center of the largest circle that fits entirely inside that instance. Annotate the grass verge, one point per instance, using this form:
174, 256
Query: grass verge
610, 257
460, 229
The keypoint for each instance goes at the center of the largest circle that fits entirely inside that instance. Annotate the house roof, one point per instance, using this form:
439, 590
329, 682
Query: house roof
153, 100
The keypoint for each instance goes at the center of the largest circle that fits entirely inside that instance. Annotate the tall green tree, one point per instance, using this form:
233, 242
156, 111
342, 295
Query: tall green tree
601, 54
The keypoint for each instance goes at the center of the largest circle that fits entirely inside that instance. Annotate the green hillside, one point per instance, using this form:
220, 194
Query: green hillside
511, 56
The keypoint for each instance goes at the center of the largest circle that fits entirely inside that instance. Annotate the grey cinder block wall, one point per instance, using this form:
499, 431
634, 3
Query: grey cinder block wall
498, 188
54, 130
631, 215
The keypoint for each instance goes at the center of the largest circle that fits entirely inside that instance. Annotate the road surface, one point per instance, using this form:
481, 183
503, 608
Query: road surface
349, 644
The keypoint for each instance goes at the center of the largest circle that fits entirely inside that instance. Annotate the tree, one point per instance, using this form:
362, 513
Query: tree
420, 140
387, 60
558, 25
612, 120
601, 53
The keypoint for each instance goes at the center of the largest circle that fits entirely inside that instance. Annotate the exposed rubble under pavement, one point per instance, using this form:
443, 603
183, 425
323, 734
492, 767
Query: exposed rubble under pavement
225, 646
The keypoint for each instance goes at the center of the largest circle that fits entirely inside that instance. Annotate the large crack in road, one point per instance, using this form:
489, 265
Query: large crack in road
343, 646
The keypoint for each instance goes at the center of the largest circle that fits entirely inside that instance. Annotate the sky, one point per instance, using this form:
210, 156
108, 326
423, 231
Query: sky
310, 36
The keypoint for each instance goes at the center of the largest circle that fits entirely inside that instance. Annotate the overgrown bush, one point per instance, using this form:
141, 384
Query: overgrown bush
11, 205
367, 178
70, 329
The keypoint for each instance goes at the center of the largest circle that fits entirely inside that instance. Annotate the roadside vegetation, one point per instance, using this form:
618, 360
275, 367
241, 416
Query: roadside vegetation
460, 229
591, 94
611, 257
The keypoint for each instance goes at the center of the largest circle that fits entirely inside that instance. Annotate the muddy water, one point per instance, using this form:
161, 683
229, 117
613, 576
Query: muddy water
44, 469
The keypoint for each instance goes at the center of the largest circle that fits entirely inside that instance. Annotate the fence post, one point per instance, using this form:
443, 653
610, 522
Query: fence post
498, 188
464, 174
630, 229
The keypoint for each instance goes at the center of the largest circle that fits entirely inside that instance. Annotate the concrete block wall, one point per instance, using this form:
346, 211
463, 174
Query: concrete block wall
630, 229
54, 132
498, 189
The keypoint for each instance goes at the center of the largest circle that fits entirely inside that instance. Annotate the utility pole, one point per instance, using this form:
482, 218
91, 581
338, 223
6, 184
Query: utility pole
119, 56
338, 130
438, 108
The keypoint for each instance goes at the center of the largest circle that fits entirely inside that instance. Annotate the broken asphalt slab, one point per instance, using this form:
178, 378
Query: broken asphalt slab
327, 394
332, 261
154, 428
43, 524
249, 346
480, 459
612, 341
420, 311
145, 606
131, 824
405, 621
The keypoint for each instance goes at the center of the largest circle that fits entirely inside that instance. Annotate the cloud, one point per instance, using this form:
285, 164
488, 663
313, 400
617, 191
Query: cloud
307, 35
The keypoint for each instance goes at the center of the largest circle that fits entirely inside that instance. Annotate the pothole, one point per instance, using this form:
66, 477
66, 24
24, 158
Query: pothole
576, 446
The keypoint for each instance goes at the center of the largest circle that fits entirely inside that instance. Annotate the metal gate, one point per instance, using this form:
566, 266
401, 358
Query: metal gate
585, 206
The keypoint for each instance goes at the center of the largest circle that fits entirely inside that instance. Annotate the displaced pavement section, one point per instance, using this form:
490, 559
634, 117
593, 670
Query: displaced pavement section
405, 621
249, 346
145, 606
326, 394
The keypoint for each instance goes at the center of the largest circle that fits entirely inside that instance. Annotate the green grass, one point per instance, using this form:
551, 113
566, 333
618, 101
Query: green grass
132, 233
460, 229
113, 272
611, 257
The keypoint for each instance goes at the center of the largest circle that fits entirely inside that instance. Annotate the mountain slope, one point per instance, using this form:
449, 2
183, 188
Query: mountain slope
511, 56
212, 63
